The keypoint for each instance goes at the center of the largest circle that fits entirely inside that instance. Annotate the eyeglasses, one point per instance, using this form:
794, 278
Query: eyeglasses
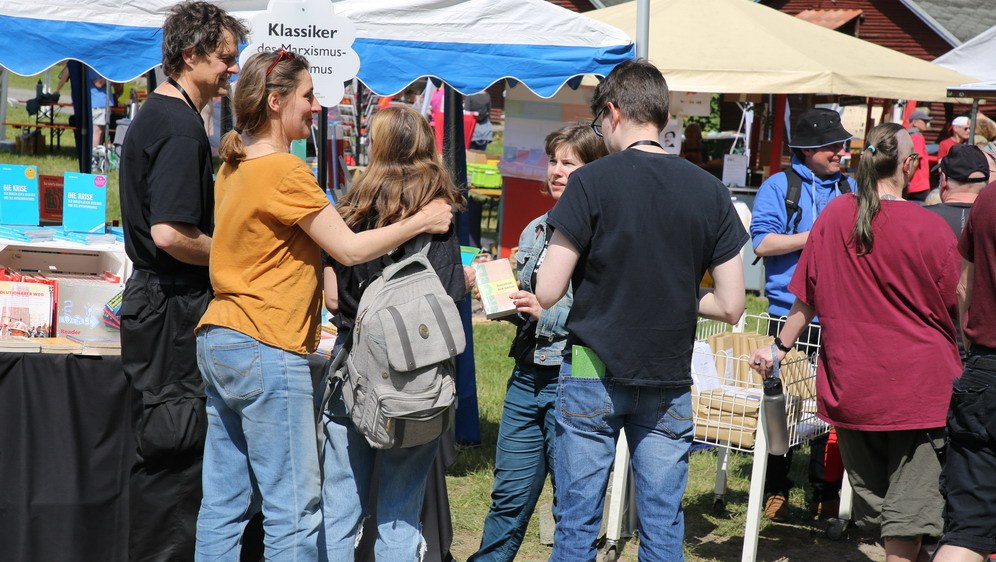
283, 55
913, 157
597, 127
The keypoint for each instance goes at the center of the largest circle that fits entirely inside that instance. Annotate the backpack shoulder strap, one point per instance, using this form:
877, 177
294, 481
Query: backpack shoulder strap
843, 186
792, 194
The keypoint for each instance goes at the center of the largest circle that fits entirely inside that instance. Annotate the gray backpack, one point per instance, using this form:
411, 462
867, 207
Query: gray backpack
397, 380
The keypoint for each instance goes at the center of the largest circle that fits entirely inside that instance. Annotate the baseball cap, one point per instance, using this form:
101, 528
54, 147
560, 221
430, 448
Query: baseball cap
966, 163
961, 121
818, 127
921, 114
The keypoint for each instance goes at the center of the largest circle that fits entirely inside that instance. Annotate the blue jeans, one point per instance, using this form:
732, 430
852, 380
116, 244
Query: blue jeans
348, 465
658, 424
523, 458
261, 448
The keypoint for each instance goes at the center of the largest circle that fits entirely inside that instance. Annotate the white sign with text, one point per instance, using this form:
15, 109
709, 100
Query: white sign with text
309, 28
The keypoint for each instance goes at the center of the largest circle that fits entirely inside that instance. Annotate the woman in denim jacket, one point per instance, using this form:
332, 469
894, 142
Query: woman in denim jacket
524, 454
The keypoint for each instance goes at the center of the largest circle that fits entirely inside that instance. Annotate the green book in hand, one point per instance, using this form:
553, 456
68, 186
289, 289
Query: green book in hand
585, 364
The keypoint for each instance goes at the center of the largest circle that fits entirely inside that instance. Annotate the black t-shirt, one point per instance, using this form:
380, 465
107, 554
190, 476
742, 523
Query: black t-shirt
479, 103
443, 254
647, 226
956, 214
166, 176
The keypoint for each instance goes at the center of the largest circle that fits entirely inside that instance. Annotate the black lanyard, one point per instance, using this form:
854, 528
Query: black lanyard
183, 93
645, 143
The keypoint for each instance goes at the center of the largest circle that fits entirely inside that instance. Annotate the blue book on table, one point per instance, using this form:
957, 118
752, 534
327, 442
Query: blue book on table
19, 195
84, 202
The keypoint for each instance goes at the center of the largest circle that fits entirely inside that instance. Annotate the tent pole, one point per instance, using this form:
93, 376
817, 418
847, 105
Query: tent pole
84, 121
467, 424
642, 28
777, 134
321, 151
4, 81
975, 120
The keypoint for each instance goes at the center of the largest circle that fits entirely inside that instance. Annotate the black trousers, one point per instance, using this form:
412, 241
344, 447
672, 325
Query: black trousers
776, 477
158, 355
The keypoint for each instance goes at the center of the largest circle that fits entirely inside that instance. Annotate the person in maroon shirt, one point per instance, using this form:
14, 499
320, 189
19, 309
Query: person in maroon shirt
882, 272
968, 481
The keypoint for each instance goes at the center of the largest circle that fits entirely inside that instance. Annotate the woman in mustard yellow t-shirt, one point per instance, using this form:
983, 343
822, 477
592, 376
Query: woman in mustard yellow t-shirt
272, 221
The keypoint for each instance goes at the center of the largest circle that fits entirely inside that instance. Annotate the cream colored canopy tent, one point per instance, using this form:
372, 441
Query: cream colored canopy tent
742, 47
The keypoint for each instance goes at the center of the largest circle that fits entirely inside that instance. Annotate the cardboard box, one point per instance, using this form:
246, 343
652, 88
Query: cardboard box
477, 157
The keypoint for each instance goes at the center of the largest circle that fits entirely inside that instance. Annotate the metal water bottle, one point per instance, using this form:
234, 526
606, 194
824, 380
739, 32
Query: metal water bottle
773, 402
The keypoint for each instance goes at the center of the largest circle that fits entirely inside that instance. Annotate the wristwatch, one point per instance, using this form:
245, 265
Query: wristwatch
781, 345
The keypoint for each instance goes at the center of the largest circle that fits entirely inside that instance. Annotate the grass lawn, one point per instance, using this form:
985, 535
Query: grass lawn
62, 159
708, 536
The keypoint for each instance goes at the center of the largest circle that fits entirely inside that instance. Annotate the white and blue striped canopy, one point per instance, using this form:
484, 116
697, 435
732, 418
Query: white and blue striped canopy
469, 44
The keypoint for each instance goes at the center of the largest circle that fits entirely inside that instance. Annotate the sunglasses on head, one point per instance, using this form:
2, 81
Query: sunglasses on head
283, 55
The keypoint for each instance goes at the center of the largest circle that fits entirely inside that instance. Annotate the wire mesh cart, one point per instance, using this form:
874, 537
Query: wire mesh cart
726, 400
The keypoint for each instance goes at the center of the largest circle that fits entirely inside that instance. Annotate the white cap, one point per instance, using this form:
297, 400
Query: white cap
961, 121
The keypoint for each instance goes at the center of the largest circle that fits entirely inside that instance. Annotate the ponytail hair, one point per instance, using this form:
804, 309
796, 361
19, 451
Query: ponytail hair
264, 73
879, 161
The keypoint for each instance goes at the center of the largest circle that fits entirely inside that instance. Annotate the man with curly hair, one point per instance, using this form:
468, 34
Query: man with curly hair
167, 205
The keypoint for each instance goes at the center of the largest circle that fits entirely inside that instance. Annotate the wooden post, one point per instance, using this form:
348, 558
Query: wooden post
777, 134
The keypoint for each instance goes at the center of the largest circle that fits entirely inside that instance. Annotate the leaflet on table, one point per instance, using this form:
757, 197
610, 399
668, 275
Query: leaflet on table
31, 234
19, 344
85, 238
26, 233
19, 195
97, 345
84, 203
117, 232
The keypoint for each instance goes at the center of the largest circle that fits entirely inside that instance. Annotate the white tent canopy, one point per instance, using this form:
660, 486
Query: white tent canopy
976, 58
469, 44
740, 46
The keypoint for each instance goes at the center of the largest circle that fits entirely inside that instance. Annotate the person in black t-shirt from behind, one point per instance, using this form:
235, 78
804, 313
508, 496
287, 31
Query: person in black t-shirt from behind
167, 208
634, 233
964, 172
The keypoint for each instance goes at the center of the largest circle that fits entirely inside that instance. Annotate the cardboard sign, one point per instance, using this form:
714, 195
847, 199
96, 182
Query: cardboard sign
84, 202
19, 198
735, 169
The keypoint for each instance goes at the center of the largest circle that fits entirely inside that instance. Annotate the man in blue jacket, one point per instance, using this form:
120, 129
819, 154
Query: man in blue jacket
786, 206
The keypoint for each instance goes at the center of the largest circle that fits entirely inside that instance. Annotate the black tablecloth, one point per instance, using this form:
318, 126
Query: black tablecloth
66, 449
65, 452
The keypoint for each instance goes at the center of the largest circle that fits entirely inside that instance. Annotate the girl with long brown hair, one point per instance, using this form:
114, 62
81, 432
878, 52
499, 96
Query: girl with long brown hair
405, 174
